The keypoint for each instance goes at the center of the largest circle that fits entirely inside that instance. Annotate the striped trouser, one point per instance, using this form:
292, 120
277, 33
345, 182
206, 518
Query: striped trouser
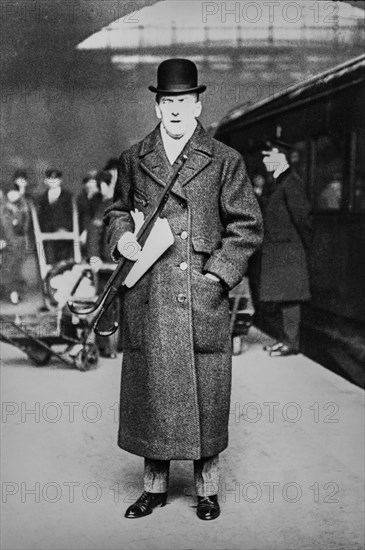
206, 475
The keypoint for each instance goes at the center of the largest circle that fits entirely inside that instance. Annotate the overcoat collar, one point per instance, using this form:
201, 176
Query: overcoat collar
281, 177
154, 162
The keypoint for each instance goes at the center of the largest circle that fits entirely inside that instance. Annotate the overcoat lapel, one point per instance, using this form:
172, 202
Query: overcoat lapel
199, 156
154, 162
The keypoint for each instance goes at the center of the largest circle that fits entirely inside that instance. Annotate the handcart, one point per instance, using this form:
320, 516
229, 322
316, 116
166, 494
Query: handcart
37, 334
55, 326
42, 237
241, 315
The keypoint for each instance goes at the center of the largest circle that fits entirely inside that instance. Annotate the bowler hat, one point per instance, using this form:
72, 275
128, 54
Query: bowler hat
177, 76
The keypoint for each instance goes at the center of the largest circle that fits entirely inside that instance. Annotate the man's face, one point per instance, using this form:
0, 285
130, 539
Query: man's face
114, 174
52, 183
273, 159
106, 190
178, 113
21, 183
91, 187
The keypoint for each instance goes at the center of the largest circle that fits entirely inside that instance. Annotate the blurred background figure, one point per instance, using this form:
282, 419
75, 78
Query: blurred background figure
331, 196
112, 167
97, 251
55, 214
258, 184
21, 183
87, 203
284, 278
15, 219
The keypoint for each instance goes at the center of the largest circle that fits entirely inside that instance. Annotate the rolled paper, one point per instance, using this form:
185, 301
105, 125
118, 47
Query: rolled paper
157, 242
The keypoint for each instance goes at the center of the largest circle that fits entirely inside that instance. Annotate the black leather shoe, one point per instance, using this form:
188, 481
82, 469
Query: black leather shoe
273, 347
283, 351
208, 507
145, 504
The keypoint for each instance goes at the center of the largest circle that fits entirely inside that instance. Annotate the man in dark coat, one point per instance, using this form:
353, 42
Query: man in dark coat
284, 277
55, 214
176, 375
97, 252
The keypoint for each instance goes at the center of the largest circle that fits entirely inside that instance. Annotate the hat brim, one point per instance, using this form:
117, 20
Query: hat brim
196, 90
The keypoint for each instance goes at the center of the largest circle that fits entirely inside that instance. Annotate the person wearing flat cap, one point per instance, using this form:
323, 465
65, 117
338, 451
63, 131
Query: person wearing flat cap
176, 371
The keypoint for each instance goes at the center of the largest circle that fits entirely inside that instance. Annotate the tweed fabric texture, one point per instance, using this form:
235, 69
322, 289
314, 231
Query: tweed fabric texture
206, 476
287, 237
176, 373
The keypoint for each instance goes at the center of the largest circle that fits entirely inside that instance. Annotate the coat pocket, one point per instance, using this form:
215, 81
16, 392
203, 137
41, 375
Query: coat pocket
203, 245
139, 198
210, 315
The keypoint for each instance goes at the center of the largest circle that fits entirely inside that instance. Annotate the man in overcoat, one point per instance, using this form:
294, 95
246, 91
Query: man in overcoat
284, 277
176, 373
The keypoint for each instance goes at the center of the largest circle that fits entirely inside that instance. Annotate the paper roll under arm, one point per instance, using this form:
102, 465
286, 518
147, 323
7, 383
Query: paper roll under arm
157, 242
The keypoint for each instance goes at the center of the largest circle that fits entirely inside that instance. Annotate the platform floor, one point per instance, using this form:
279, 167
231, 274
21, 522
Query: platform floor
291, 478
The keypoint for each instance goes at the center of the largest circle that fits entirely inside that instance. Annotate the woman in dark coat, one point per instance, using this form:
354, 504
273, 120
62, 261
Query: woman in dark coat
176, 375
15, 227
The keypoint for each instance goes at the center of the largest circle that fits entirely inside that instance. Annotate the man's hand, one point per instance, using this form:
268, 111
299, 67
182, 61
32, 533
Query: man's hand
95, 263
212, 277
83, 237
129, 247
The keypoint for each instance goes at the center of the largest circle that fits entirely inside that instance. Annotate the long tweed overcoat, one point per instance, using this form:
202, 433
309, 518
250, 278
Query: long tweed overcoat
287, 237
176, 372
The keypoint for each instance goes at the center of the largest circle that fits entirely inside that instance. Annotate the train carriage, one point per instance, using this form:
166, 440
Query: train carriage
324, 117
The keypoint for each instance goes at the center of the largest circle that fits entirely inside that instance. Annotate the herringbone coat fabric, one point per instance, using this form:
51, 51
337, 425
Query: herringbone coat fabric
287, 238
176, 372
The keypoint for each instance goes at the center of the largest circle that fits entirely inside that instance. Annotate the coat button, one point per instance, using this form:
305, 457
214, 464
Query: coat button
181, 298
183, 266
184, 235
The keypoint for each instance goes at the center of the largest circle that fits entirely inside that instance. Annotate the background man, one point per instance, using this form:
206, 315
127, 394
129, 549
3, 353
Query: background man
97, 252
284, 277
55, 214
176, 376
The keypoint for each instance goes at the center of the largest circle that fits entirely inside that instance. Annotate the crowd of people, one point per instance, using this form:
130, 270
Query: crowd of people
55, 213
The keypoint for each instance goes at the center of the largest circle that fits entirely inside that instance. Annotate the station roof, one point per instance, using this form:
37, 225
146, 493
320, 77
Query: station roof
39, 39
169, 22
320, 83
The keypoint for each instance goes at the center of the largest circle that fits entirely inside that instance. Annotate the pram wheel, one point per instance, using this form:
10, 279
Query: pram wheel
87, 358
38, 355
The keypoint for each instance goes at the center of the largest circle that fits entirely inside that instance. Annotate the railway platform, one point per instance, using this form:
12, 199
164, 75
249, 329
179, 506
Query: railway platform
291, 478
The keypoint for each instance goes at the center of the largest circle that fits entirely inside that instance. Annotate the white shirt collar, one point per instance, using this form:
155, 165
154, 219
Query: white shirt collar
172, 146
53, 194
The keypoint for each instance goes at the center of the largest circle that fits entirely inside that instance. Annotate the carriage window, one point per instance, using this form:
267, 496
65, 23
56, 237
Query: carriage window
359, 176
328, 172
298, 159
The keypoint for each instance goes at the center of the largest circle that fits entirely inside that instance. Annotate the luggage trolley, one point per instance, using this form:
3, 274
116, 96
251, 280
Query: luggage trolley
42, 237
55, 325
